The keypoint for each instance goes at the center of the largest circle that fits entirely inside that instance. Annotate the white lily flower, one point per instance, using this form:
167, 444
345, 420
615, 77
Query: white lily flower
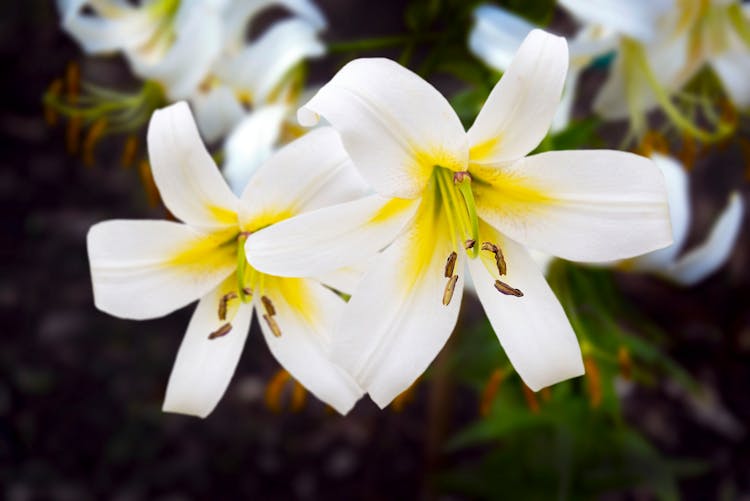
147, 269
497, 34
444, 193
704, 259
663, 45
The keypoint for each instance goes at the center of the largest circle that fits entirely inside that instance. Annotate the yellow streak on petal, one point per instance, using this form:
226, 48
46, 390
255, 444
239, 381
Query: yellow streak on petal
392, 208
204, 255
269, 216
222, 215
510, 193
296, 298
481, 152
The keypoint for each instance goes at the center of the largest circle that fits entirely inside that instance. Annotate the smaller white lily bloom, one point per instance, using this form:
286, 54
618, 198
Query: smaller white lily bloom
447, 198
147, 269
171, 41
703, 260
497, 34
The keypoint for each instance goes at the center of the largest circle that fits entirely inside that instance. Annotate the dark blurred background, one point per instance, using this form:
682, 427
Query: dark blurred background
80, 392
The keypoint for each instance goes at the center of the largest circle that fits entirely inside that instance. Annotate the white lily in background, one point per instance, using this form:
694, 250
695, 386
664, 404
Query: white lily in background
446, 198
497, 34
147, 269
704, 259
653, 64
196, 50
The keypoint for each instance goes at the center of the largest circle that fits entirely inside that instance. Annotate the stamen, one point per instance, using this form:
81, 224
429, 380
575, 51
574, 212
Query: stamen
490, 391
268, 305
247, 291
506, 289
53, 93
221, 331
450, 264
129, 151
72, 81
594, 381
469, 244
244, 234
502, 267
489, 246
449, 288
272, 325
223, 304
94, 135
460, 177
530, 397
149, 186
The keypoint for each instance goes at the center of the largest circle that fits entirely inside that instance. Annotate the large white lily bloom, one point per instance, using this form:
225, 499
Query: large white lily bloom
702, 260
196, 49
663, 44
442, 195
147, 269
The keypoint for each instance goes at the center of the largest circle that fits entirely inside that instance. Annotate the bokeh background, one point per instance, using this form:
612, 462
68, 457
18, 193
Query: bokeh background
80, 392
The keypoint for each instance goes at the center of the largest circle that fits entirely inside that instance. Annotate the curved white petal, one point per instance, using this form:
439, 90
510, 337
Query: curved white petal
189, 182
250, 144
239, 14
115, 27
709, 256
146, 269
261, 66
346, 279
216, 112
394, 125
311, 172
733, 70
204, 367
396, 323
330, 238
584, 205
678, 195
497, 34
533, 329
635, 18
191, 55
519, 110
306, 314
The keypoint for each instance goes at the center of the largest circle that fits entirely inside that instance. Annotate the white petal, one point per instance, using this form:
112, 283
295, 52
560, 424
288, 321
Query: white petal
187, 177
306, 314
345, 279
497, 34
733, 70
116, 27
323, 240
678, 195
595, 205
311, 172
204, 367
517, 114
239, 14
394, 125
216, 112
709, 256
146, 269
635, 18
395, 323
251, 143
533, 329
261, 66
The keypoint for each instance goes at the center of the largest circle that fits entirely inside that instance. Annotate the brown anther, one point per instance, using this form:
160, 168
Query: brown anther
502, 268
490, 391
450, 264
593, 381
72, 81
272, 325
129, 151
449, 288
268, 306
221, 331
247, 291
94, 135
506, 289
489, 246
223, 304
460, 177
275, 389
469, 244
531, 399
53, 93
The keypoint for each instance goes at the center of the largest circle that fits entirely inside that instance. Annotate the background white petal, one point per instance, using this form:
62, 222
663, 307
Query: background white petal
533, 329
395, 126
303, 348
189, 182
635, 18
519, 110
137, 271
583, 205
204, 367
705, 259
216, 111
497, 34
239, 14
327, 239
251, 143
733, 70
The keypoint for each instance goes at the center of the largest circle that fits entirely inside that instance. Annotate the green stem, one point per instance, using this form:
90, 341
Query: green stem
464, 186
